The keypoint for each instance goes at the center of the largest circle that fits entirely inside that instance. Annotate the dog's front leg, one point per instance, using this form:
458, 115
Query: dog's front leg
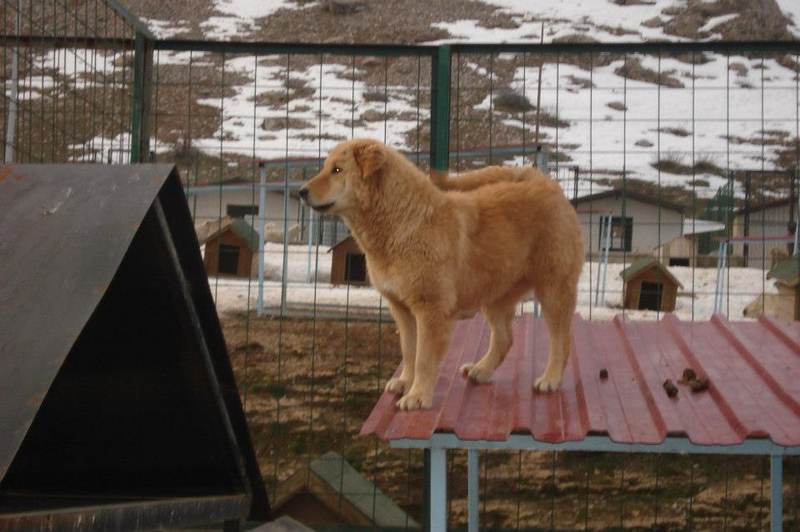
434, 330
407, 326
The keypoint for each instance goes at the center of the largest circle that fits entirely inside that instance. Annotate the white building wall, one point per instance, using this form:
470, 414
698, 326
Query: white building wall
206, 205
646, 222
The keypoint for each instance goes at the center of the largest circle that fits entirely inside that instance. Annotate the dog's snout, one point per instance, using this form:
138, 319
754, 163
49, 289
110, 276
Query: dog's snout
303, 193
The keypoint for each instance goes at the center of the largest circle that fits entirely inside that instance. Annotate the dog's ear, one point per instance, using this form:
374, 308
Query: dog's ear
369, 157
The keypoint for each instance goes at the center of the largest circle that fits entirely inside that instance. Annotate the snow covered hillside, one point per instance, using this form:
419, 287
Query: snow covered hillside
683, 121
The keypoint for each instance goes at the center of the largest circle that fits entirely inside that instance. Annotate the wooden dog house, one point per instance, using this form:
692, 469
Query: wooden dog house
786, 303
649, 285
231, 246
348, 263
119, 406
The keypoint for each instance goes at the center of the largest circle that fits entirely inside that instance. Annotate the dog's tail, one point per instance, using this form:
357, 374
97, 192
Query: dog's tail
482, 177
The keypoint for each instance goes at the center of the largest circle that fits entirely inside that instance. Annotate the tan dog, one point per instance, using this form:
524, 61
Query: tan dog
439, 255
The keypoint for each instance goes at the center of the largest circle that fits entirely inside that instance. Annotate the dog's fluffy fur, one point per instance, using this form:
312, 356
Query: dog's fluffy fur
441, 253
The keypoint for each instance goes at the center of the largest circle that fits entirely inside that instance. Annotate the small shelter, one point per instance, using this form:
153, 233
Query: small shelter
231, 246
787, 278
348, 263
684, 250
785, 304
332, 493
649, 285
119, 407
238, 198
753, 222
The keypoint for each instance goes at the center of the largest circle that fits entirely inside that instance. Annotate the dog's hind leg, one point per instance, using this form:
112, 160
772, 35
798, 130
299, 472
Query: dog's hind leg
499, 316
558, 306
434, 331
407, 326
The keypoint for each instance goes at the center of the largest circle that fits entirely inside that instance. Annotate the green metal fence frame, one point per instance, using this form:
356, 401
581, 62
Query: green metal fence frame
145, 44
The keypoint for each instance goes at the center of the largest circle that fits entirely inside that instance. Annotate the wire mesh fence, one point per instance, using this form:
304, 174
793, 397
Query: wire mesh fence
665, 150
67, 78
647, 141
313, 363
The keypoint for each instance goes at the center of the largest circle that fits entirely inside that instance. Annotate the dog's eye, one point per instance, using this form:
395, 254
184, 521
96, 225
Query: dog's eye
336, 169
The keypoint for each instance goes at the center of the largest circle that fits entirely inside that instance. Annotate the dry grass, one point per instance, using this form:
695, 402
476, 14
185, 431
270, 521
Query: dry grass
676, 163
633, 69
617, 106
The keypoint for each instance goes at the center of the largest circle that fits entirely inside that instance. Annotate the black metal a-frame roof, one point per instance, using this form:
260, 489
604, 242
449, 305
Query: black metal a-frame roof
118, 404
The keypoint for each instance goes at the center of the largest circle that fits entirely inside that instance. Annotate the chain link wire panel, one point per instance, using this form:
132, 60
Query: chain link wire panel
67, 77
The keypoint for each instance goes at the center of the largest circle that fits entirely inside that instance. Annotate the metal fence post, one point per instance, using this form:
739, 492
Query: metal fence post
440, 112
438, 490
776, 492
435, 460
473, 493
142, 94
262, 220
11, 115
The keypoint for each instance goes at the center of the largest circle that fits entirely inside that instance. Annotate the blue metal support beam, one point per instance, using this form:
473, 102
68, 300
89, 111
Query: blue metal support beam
473, 489
438, 490
670, 445
776, 493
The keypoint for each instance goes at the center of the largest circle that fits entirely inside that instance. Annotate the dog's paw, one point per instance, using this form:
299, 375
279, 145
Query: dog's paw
415, 401
476, 373
397, 385
547, 383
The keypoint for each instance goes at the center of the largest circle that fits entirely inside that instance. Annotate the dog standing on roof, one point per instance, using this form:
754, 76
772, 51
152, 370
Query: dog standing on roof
442, 253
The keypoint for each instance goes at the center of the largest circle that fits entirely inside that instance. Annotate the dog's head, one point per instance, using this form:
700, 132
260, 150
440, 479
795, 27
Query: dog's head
347, 178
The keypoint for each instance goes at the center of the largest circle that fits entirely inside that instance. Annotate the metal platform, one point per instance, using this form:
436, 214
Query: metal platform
751, 406
119, 406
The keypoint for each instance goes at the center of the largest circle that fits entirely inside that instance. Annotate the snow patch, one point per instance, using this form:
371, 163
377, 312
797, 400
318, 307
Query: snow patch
791, 8
166, 29
240, 17
713, 22
333, 110
695, 301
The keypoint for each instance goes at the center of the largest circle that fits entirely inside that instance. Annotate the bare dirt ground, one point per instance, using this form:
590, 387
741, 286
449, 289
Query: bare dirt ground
308, 386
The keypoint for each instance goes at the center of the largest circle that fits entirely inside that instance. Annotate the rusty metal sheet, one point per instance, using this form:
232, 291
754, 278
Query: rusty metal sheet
65, 231
753, 369
124, 514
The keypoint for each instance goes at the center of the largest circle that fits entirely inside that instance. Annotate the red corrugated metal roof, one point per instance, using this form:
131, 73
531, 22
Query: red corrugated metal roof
753, 369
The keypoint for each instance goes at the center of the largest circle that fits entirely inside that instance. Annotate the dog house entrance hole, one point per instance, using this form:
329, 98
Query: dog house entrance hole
228, 259
650, 296
355, 268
